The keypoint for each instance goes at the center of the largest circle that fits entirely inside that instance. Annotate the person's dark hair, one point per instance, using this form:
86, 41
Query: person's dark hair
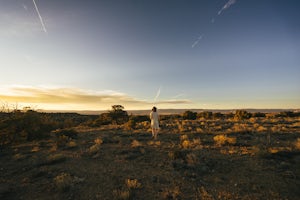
154, 109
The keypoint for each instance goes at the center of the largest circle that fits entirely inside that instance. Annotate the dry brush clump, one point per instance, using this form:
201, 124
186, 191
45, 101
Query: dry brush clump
63, 181
203, 194
297, 144
223, 139
122, 194
187, 143
171, 193
95, 148
136, 143
133, 184
128, 190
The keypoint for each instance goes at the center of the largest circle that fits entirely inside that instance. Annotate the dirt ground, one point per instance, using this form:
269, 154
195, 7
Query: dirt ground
118, 164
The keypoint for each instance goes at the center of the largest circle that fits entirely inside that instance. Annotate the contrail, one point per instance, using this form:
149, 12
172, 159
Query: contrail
197, 41
41, 19
25, 7
157, 94
226, 6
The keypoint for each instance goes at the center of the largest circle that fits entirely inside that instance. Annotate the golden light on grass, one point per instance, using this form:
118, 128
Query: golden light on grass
223, 139
154, 143
297, 144
35, 149
136, 143
133, 184
98, 141
71, 144
94, 149
185, 144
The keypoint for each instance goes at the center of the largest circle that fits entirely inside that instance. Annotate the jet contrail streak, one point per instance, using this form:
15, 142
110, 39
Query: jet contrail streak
41, 19
25, 7
197, 41
226, 6
157, 94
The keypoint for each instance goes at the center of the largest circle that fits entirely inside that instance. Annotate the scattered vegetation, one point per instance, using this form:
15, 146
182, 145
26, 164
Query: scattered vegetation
196, 156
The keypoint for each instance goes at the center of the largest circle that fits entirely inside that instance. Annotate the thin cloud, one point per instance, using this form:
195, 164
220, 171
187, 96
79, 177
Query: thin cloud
226, 6
178, 95
74, 98
175, 101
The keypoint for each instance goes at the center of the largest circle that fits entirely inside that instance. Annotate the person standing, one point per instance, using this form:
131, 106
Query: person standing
154, 122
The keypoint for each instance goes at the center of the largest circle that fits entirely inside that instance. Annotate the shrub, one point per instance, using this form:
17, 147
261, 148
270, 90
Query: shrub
205, 115
19, 126
71, 144
189, 115
218, 115
133, 184
136, 143
242, 114
122, 194
131, 124
258, 114
185, 144
94, 149
223, 139
172, 193
70, 133
63, 181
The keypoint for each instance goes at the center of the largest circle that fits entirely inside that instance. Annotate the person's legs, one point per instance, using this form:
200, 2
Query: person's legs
155, 133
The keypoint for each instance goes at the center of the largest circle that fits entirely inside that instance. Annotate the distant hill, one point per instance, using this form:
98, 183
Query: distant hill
168, 111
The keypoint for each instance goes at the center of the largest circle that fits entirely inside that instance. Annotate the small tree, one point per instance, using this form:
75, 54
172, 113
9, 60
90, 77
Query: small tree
118, 115
117, 108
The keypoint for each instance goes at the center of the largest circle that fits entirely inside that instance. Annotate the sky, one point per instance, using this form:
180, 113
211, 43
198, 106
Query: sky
205, 54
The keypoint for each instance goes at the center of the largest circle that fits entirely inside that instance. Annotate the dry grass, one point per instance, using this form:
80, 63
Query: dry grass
203, 194
223, 139
133, 184
63, 181
297, 144
171, 193
136, 143
71, 144
98, 141
122, 194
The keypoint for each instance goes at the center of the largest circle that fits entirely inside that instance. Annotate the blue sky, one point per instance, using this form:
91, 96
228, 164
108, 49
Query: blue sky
89, 55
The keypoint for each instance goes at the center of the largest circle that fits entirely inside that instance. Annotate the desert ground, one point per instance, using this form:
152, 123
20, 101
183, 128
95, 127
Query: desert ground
254, 158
